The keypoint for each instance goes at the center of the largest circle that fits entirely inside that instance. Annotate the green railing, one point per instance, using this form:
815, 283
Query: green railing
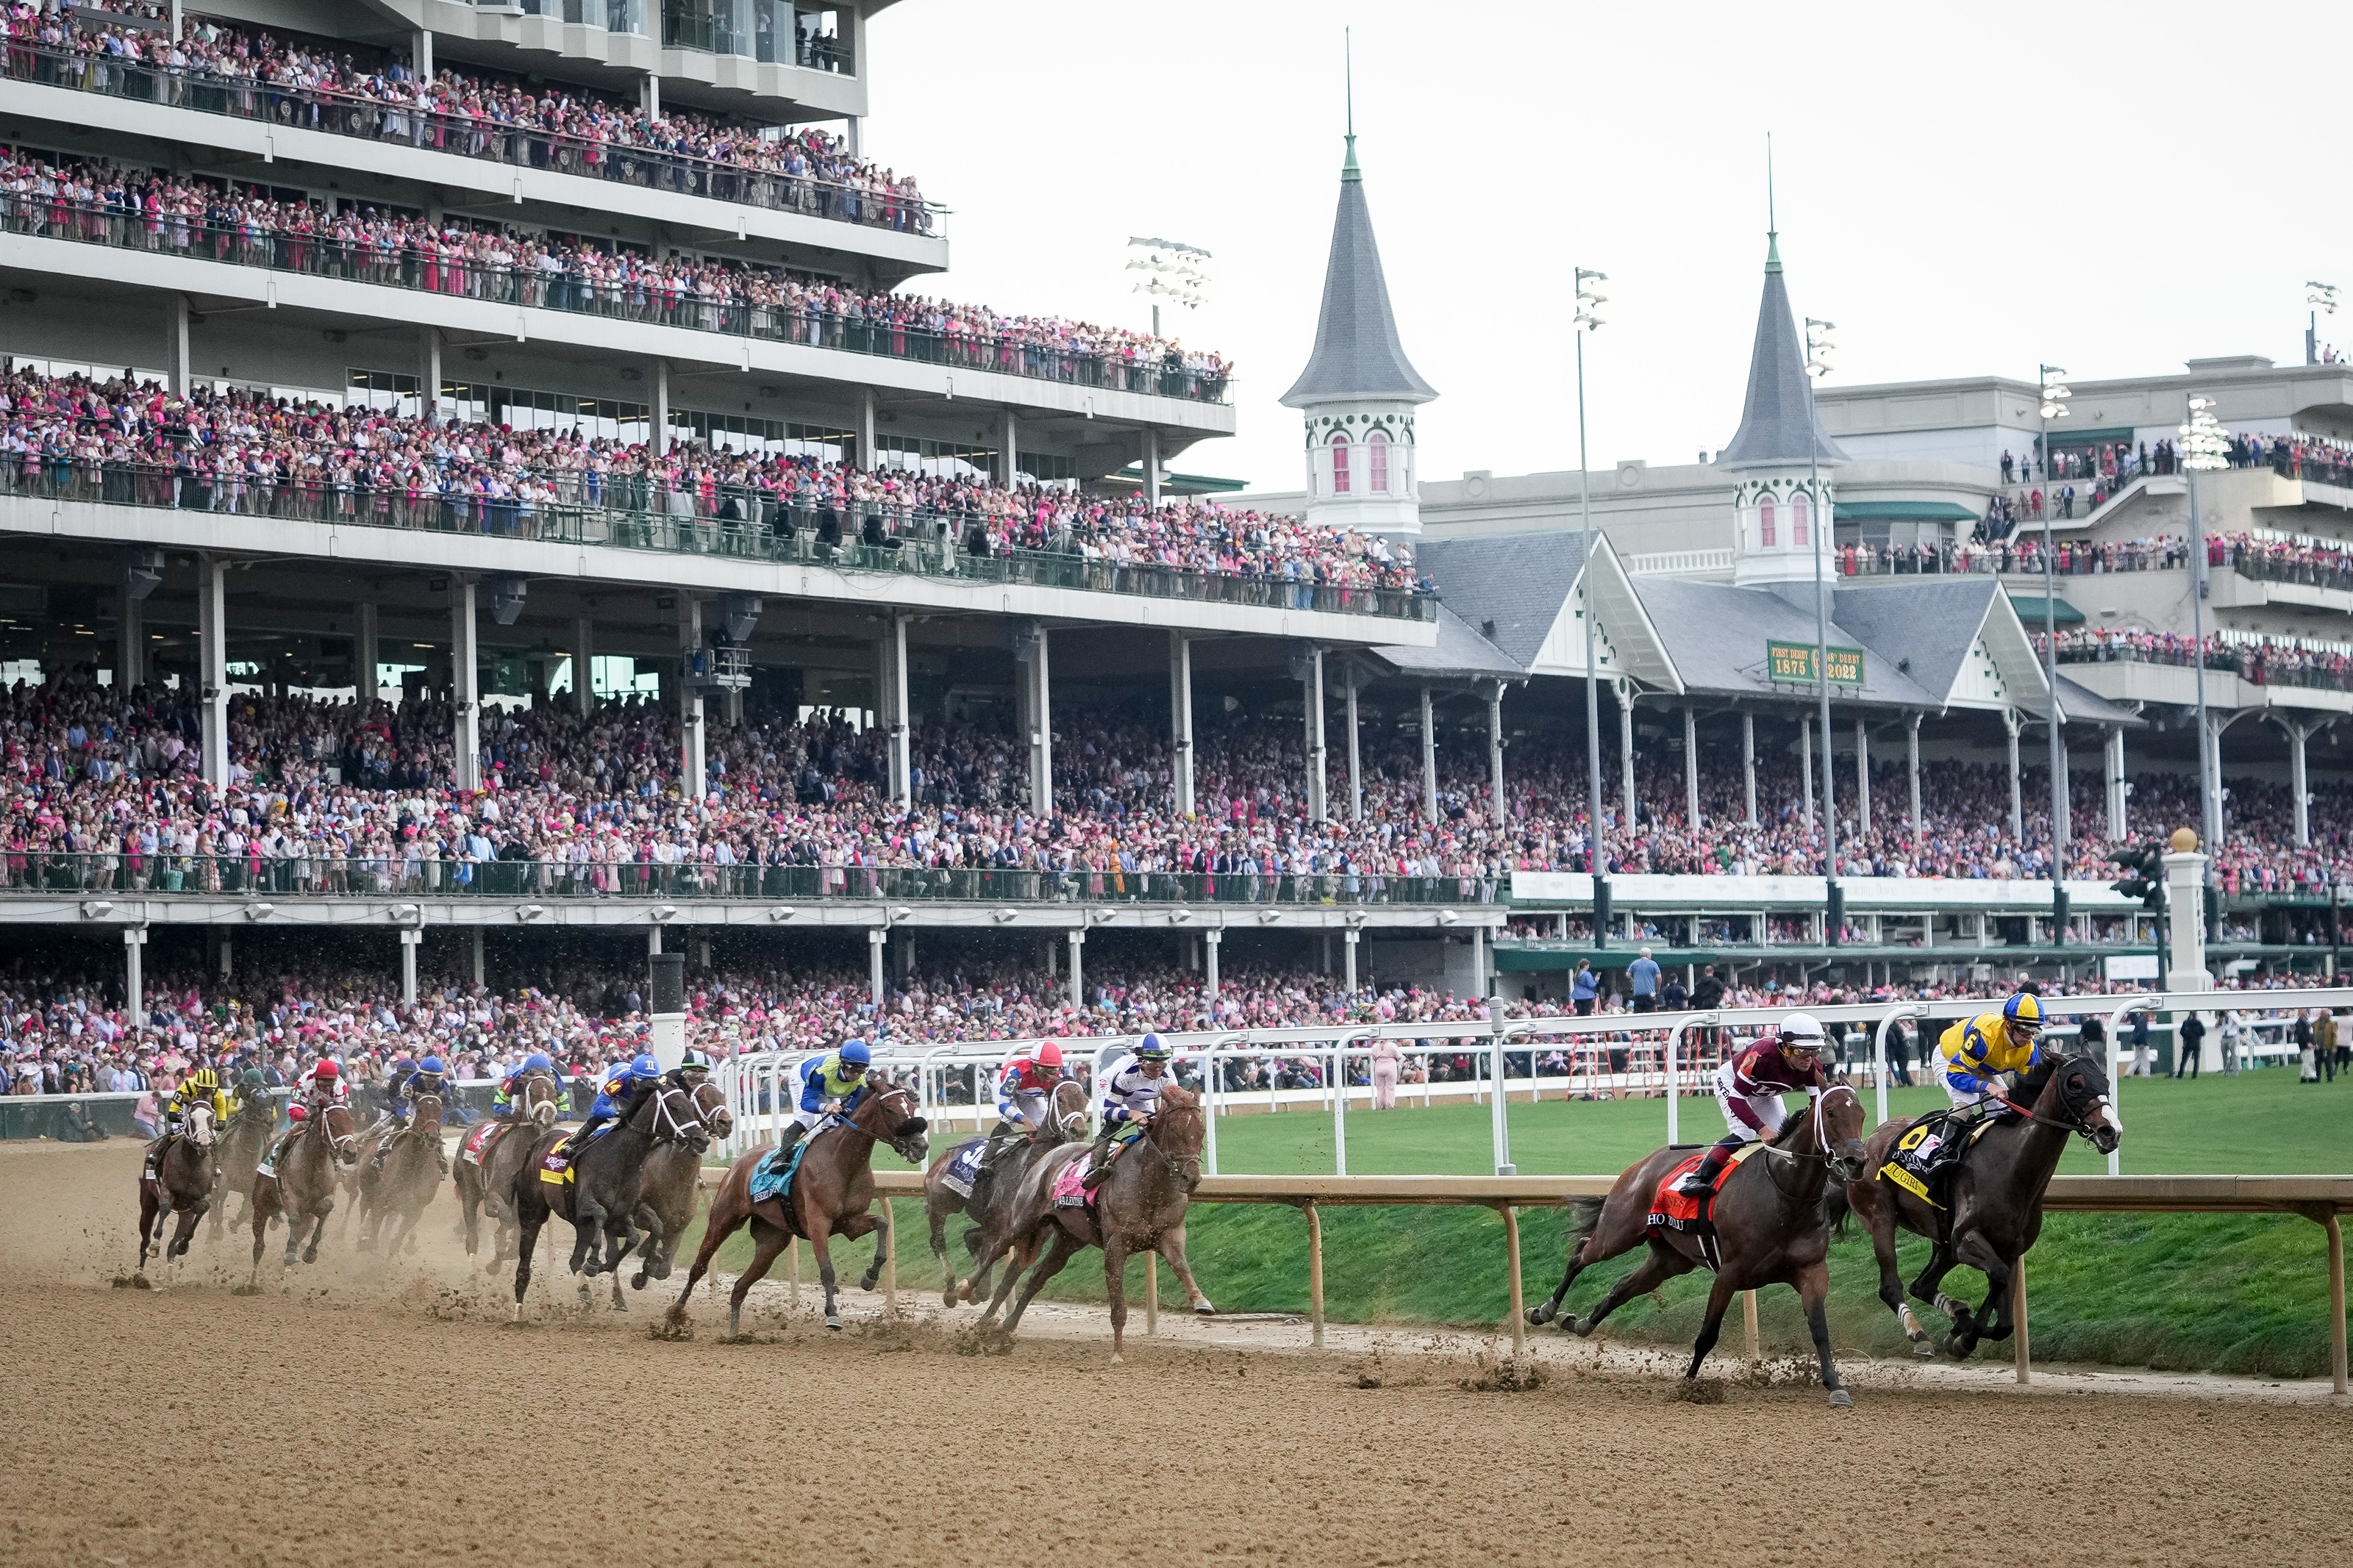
633, 513
76, 874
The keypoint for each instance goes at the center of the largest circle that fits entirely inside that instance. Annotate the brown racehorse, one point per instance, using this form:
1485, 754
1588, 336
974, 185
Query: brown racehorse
1769, 1221
601, 1193
243, 1142
410, 1176
303, 1185
830, 1195
668, 1186
1138, 1207
1066, 1122
1994, 1199
183, 1182
486, 1185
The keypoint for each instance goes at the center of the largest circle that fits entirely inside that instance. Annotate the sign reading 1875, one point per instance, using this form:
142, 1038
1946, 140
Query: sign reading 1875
1792, 663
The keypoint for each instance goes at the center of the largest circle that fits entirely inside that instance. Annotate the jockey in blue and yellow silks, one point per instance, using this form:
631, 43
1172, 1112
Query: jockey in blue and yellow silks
835, 1079
1974, 1055
617, 1097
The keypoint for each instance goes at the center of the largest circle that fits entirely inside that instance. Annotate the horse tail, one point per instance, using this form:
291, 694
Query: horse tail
1584, 1214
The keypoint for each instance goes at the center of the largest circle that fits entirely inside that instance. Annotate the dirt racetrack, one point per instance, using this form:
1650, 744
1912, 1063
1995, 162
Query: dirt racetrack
386, 1413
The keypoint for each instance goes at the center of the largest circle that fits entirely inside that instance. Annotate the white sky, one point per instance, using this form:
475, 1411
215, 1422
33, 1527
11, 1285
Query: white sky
1972, 191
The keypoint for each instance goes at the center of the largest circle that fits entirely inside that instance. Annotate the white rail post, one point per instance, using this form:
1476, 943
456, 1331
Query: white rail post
1502, 1133
1340, 1103
1879, 1049
2116, 1079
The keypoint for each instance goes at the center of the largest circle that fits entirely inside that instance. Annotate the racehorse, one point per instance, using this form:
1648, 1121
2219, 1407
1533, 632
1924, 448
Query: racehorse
183, 1183
1138, 1206
485, 1182
602, 1193
1770, 1228
303, 1185
1994, 1201
668, 1186
355, 1178
831, 1192
244, 1140
1066, 1122
410, 1176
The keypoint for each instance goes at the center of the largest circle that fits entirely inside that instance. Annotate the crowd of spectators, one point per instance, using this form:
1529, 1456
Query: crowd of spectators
2069, 558
2259, 661
101, 202
242, 451
222, 66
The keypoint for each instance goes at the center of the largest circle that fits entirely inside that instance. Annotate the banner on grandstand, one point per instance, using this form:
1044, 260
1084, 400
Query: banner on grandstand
1795, 664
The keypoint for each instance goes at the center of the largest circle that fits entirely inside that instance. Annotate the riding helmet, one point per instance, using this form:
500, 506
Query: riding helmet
2023, 1012
204, 1078
1048, 1054
1151, 1050
1803, 1030
327, 1071
645, 1066
695, 1058
432, 1067
855, 1053
539, 1061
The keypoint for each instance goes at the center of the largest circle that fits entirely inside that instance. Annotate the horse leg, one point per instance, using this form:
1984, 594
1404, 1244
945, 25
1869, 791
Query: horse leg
1925, 1288
1172, 1247
1605, 1241
1879, 1221
470, 1205
939, 1228
310, 1253
526, 1244
1114, 1253
821, 1242
146, 1223
587, 1234
1719, 1296
1813, 1283
1664, 1263
767, 1241
1990, 1322
1065, 1248
882, 1233
716, 1229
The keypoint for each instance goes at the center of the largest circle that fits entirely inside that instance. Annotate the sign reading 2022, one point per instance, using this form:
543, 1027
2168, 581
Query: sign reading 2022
1794, 664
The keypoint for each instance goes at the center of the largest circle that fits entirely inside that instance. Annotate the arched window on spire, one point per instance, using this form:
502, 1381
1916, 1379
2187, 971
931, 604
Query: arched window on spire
1340, 465
1765, 523
1800, 514
1377, 462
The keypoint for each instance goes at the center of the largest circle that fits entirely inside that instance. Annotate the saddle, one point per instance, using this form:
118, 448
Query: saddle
1687, 1216
773, 1177
1924, 1159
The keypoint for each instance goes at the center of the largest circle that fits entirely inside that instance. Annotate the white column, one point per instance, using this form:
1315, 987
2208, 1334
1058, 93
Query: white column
691, 772
650, 91
1041, 729
2017, 799
131, 643
1428, 760
867, 407
1749, 762
1480, 977
176, 343
1494, 752
1078, 940
1349, 977
891, 669
1862, 777
1626, 752
1356, 754
875, 937
428, 373
2185, 898
2118, 798
1151, 468
1313, 691
1912, 764
2298, 782
1210, 939
1690, 768
583, 664
212, 664
367, 653
476, 945
1806, 764
134, 981
465, 683
410, 937
661, 400
1180, 720
420, 54
1010, 442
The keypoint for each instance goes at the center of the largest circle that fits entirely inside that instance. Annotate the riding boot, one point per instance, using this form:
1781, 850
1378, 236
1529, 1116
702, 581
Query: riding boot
1098, 1160
793, 1135
1700, 1182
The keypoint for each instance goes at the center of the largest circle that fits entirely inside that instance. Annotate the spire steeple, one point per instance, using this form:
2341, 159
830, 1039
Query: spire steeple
1349, 173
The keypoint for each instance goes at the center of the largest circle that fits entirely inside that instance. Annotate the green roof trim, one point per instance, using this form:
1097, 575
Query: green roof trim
1900, 511
2063, 436
2029, 610
1191, 484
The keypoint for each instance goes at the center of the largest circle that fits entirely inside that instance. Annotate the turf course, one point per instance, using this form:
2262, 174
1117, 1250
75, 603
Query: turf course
2218, 1292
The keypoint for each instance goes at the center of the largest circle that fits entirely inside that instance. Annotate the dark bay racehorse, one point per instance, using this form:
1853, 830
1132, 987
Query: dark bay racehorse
183, 1182
1138, 1207
1769, 1221
243, 1142
1994, 1198
602, 1194
411, 1176
303, 1184
991, 1203
668, 1186
487, 1186
831, 1193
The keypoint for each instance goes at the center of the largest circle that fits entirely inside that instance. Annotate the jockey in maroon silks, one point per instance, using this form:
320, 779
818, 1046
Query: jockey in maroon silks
1750, 1086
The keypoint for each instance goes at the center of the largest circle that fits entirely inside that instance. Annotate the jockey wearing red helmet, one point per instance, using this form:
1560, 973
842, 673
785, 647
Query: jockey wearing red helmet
1025, 1093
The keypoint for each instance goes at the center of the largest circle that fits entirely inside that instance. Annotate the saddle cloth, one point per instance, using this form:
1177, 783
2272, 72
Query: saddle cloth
771, 1180
476, 1146
1672, 1210
965, 1169
1911, 1165
1069, 1193
555, 1165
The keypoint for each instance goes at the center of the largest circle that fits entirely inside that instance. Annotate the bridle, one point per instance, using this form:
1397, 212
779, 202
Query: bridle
1817, 1110
1186, 1168
2079, 1125
905, 1148
714, 1114
668, 1127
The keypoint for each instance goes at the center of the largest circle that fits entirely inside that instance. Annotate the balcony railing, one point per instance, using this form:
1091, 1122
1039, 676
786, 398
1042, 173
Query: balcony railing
522, 147
66, 873
323, 255
2070, 560
2258, 664
2334, 569
630, 512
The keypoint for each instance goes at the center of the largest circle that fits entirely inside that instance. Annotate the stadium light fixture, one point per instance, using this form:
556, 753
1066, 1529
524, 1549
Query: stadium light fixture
1820, 345
2322, 298
1172, 271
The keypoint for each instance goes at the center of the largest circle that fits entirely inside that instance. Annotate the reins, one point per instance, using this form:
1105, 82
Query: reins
1821, 1154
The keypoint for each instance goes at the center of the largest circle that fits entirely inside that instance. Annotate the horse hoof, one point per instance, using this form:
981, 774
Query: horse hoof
1117, 1358
1923, 1350
620, 1305
1841, 1400
1539, 1316
833, 1322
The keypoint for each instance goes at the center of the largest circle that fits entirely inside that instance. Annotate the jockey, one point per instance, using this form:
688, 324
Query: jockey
502, 1103
1750, 1086
837, 1078
1023, 1092
202, 1086
322, 1085
251, 1086
1974, 1055
617, 1097
691, 1069
1126, 1098
431, 1077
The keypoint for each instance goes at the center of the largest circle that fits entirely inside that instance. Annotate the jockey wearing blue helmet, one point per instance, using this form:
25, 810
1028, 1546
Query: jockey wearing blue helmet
837, 1078
619, 1096
1126, 1096
430, 1077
